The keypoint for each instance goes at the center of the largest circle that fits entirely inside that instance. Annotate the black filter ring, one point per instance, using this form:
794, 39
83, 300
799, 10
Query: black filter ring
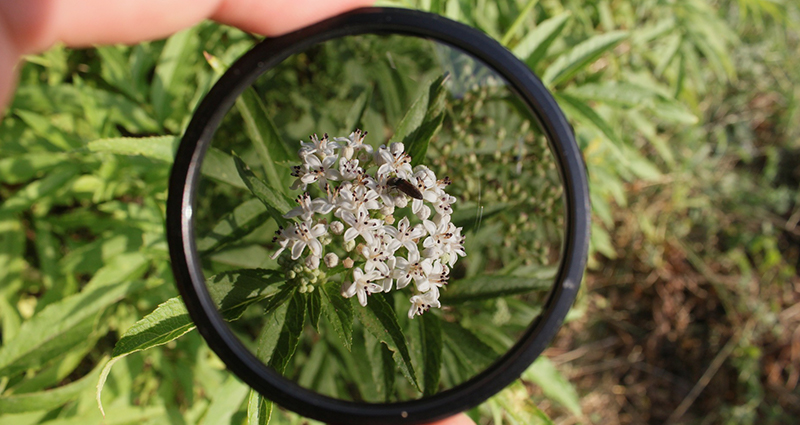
186, 264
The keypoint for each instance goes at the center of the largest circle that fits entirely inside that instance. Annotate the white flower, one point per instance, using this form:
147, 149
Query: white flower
353, 143
360, 225
362, 285
412, 268
299, 236
314, 170
444, 239
439, 274
405, 234
354, 180
355, 199
308, 207
421, 303
393, 161
322, 147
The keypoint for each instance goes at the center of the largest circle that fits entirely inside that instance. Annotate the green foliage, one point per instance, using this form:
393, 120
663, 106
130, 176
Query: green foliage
664, 98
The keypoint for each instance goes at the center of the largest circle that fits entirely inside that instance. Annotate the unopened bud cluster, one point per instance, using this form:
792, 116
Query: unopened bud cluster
359, 191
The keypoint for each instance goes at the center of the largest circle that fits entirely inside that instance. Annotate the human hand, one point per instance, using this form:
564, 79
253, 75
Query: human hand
32, 26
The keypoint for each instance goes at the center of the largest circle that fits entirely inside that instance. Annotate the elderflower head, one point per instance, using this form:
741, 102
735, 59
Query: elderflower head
390, 221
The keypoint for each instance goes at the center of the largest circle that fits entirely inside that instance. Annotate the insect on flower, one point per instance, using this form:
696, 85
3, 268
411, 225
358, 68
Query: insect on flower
405, 186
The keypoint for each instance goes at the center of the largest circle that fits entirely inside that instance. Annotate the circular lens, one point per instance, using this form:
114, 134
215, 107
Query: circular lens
392, 212
378, 219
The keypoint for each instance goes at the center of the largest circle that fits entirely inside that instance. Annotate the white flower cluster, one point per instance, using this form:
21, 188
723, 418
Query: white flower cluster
359, 191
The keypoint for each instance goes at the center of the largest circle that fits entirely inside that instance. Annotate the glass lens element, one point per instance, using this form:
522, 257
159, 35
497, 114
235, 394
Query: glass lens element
379, 218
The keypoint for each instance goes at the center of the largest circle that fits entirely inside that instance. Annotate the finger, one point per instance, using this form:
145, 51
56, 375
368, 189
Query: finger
31, 26
280, 16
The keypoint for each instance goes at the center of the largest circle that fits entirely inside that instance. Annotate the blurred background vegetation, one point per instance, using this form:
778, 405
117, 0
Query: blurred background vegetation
687, 114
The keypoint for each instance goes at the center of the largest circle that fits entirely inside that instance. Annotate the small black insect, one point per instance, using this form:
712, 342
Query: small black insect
405, 187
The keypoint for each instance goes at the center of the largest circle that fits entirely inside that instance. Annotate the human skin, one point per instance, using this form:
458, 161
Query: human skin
31, 26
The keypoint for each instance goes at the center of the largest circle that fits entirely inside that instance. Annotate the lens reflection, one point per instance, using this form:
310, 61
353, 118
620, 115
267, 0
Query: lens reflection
380, 218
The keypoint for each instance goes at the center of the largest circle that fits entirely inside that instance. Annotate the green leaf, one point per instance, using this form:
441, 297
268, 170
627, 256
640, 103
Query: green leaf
225, 402
533, 47
38, 189
49, 399
314, 299
471, 217
276, 204
518, 22
338, 311
473, 354
161, 148
380, 319
173, 56
43, 127
261, 129
487, 287
259, 409
580, 56
431, 333
356, 112
34, 343
544, 374
290, 334
232, 291
116, 70
422, 121
267, 142
21, 168
234, 226
216, 164
630, 95
581, 112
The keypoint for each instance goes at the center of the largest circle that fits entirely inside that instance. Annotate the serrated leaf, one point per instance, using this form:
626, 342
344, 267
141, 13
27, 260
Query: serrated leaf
534, 45
566, 65
339, 312
380, 319
161, 148
259, 409
314, 301
431, 334
289, 336
110, 284
473, 353
488, 287
554, 385
422, 121
232, 291
216, 164
49, 399
276, 204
